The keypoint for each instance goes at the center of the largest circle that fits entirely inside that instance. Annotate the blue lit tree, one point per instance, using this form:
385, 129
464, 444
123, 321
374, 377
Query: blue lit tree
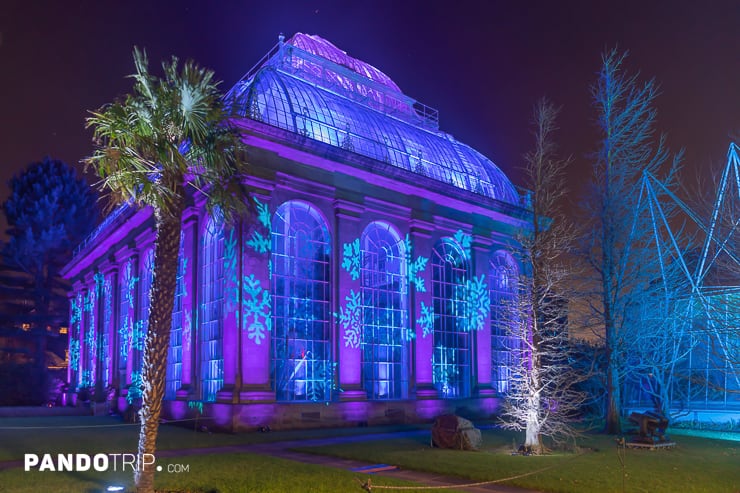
167, 137
49, 211
627, 148
544, 399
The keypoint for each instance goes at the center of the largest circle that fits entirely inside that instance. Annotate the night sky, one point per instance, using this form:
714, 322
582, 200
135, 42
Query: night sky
481, 64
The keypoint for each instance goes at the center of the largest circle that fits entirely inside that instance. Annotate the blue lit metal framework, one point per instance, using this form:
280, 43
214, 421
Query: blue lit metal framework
212, 302
707, 375
504, 281
385, 303
301, 341
309, 86
453, 351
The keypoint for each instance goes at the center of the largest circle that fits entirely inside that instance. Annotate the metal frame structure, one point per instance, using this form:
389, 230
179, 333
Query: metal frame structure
708, 370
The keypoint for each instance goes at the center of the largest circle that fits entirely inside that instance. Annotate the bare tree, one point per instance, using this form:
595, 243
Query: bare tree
627, 149
544, 398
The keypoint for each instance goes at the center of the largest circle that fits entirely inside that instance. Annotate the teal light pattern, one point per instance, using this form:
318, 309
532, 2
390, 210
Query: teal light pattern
186, 329
476, 301
130, 284
415, 267
74, 354
138, 337
231, 288
124, 334
350, 316
88, 380
351, 258
76, 311
426, 319
197, 405
259, 242
257, 309
465, 241
445, 369
136, 388
103, 354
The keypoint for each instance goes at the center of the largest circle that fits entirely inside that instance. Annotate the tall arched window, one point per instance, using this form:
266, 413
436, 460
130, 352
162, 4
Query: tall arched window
301, 343
504, 277
212, 310
452, 359
174, 356
385, 325
142, 311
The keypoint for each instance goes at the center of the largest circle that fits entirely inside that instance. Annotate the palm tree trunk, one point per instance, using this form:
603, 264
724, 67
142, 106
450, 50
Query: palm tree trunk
166, 249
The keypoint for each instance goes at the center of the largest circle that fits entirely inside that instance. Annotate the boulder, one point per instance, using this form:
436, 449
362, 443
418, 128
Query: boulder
453, 432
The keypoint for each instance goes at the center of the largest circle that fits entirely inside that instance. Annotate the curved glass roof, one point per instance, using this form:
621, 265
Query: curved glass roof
308, 86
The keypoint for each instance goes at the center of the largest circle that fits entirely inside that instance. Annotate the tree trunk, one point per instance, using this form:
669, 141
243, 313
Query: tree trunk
613, 425
157, 341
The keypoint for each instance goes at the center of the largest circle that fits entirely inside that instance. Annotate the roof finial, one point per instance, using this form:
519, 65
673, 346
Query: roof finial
281, 39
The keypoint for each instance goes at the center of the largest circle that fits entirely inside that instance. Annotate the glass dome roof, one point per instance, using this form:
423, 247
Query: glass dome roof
309, 86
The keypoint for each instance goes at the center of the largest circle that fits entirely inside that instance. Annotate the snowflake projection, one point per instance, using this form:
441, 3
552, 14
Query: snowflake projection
87, 380
426, 319
415, 267
444, 369
136, 388
197, 405
129, 284
320, 389
257, 309
74, 354
107, 322
186, 329
261, 242
76, 309
475, 300
351, 258
138, 336
465, 241
231, 286
350, 316
124, 335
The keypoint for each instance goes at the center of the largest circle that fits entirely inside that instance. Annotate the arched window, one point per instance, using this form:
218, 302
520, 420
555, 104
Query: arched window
385, 324
301, 343
452, 359
212, 310
174, 356
504, 277
142, 312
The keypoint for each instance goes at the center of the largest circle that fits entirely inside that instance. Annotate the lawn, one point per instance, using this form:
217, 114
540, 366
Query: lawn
224, 473
232, 472
694, 465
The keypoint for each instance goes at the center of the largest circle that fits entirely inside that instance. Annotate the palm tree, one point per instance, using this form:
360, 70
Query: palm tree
169, 135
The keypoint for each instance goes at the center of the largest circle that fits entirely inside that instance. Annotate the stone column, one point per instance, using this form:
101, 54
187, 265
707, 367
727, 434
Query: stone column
189, 302
347, 294
421, 303
480, 251
255, 302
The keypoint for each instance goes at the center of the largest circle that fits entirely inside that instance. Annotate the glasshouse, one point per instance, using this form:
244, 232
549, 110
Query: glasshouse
367, 288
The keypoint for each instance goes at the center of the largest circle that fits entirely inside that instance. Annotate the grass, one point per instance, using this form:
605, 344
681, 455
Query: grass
695, 465
225, 473
91, 434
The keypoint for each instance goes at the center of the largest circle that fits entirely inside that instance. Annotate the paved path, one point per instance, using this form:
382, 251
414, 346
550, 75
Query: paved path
282, 450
